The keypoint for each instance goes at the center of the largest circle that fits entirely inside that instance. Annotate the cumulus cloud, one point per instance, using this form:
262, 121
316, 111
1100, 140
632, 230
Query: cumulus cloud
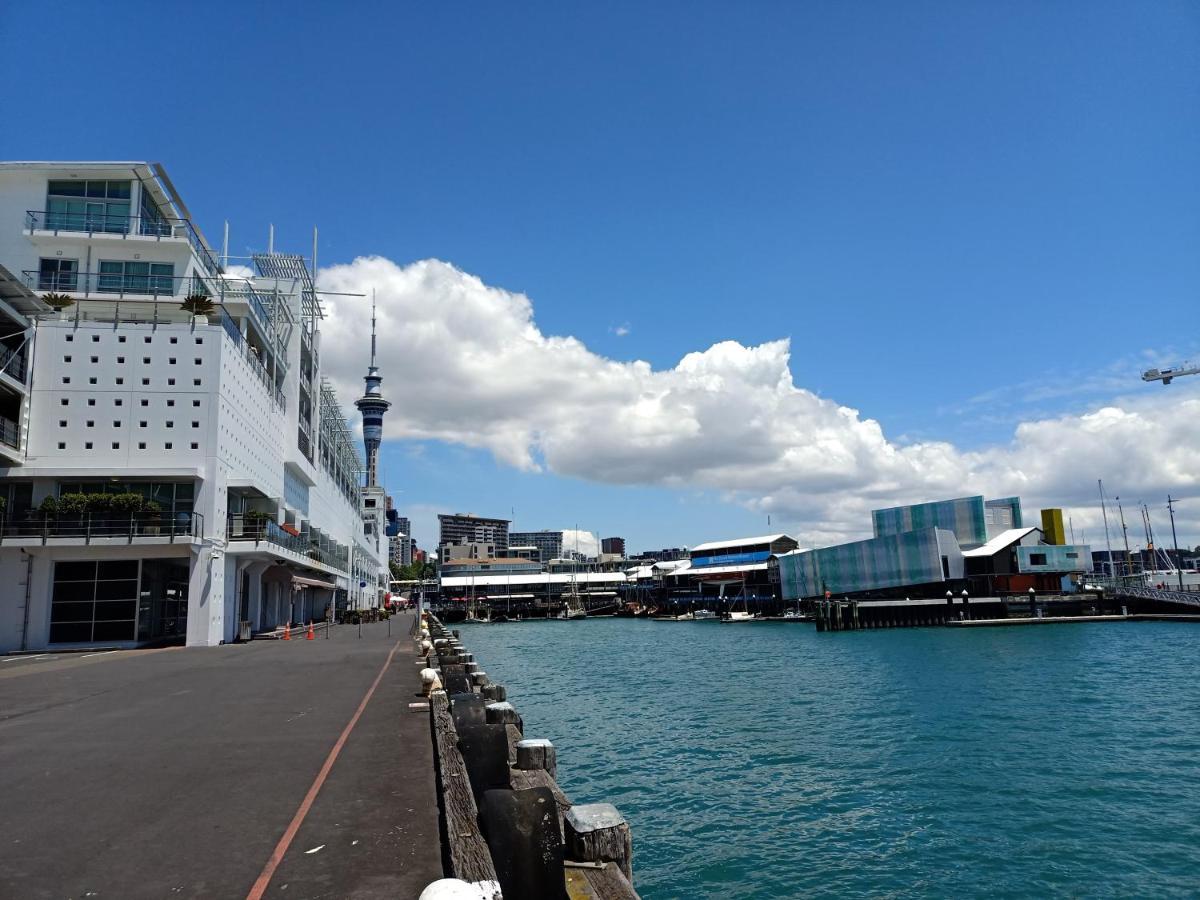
479, 372
620, 330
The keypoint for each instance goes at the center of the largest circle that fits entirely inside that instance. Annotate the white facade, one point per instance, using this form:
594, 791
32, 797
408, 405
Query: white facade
401, 550
224, 413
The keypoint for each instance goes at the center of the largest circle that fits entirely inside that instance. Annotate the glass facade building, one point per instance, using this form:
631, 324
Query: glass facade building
972, 519
923, 556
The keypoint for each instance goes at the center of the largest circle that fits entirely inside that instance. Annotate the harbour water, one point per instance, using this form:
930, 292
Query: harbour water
765, 760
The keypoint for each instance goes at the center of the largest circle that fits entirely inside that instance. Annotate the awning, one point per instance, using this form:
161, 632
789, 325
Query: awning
300, 581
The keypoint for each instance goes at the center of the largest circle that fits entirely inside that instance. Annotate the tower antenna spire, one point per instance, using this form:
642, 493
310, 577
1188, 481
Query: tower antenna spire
372, 327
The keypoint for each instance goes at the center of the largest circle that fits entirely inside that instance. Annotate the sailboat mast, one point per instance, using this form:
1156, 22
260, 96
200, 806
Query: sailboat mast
1107, 539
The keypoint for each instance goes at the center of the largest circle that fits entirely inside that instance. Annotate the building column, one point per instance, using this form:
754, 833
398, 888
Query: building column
206, 598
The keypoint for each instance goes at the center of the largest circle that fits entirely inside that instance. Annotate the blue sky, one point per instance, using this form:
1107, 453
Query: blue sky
964, 215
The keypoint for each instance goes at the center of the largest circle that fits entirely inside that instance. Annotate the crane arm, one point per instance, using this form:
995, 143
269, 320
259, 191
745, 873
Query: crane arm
1165, 375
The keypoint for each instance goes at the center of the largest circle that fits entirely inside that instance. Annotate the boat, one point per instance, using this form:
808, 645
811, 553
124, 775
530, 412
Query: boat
704, 615
573, 609
742, 615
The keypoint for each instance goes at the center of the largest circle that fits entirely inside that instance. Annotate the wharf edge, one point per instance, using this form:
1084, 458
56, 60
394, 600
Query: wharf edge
508, 830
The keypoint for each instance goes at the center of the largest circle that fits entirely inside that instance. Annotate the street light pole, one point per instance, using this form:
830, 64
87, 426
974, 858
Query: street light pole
1175, 541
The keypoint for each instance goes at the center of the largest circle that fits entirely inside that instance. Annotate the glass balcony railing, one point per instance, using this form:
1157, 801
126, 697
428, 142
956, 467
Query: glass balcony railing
97, 223
253, 527
10, 433
89, 527
12, 363
117, 284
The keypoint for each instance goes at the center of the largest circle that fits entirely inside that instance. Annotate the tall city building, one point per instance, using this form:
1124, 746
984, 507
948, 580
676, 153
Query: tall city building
372, 406
614, 545
549, 543
460, 528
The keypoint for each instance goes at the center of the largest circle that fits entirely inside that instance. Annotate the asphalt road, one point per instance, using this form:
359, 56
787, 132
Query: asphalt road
175, 773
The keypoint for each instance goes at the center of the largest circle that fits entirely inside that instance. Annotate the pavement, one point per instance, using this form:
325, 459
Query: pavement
175, 773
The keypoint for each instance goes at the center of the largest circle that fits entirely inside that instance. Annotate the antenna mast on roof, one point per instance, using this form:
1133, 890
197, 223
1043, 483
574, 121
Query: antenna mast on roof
271, 238
372, 327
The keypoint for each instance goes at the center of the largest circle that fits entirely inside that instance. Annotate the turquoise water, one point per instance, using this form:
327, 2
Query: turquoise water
765, 760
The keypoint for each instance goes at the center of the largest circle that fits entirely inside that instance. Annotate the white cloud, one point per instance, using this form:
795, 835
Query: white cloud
620, 330
585, 542
477, 371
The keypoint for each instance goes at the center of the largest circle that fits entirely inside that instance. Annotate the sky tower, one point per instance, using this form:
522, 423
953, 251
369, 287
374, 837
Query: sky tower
372, 406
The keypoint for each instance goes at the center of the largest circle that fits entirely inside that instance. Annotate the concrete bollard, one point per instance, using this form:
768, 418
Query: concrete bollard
453, 889
537, 753
430, 681
596, 832
479, 678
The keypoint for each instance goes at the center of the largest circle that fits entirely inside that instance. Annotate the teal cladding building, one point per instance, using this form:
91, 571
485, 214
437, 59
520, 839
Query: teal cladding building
973, 520
915, 557
1053, 558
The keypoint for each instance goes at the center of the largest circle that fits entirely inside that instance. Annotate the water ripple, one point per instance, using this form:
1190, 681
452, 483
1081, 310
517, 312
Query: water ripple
769, 761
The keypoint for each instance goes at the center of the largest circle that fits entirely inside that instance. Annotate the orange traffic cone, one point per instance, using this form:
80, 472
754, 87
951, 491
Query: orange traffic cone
287, 631
310, 636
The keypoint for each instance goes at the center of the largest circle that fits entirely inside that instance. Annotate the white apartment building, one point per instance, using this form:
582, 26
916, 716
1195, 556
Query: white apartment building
401, 550
170, 471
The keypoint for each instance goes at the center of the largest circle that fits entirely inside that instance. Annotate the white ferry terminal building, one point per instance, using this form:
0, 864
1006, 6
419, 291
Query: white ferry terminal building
174, 465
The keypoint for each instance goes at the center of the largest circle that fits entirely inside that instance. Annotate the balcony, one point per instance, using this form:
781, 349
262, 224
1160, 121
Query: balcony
105, 528
12, 363
252, 527
10, 433
117, 285
95, 224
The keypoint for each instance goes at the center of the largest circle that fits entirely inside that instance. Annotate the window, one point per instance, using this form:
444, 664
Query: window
1037, 559
170, 424
171, 361
145, 382
91, 401
170, 382
195, 403
118, 381
79, 205
199, 340
62, 446
66, 379
120, 339
58, 274
170, 403
65, 402
94, 601
141, 445
195, 382
93, 380
116, 423
116, 445
87, 445
141, 424
146, 339
62, 423
120, 360
66, 359
195, 446
128, 277
95, 338
118, 402
91, 424
145, 402
167, 445
70, 337
199, 361
174, 340
1072, 556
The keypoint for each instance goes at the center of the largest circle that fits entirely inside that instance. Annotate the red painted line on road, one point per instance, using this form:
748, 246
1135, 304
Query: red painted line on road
264, 879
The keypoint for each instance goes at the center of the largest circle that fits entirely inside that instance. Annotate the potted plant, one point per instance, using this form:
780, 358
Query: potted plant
124, 508
48, 509
199, 305
58, 302
151, 514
